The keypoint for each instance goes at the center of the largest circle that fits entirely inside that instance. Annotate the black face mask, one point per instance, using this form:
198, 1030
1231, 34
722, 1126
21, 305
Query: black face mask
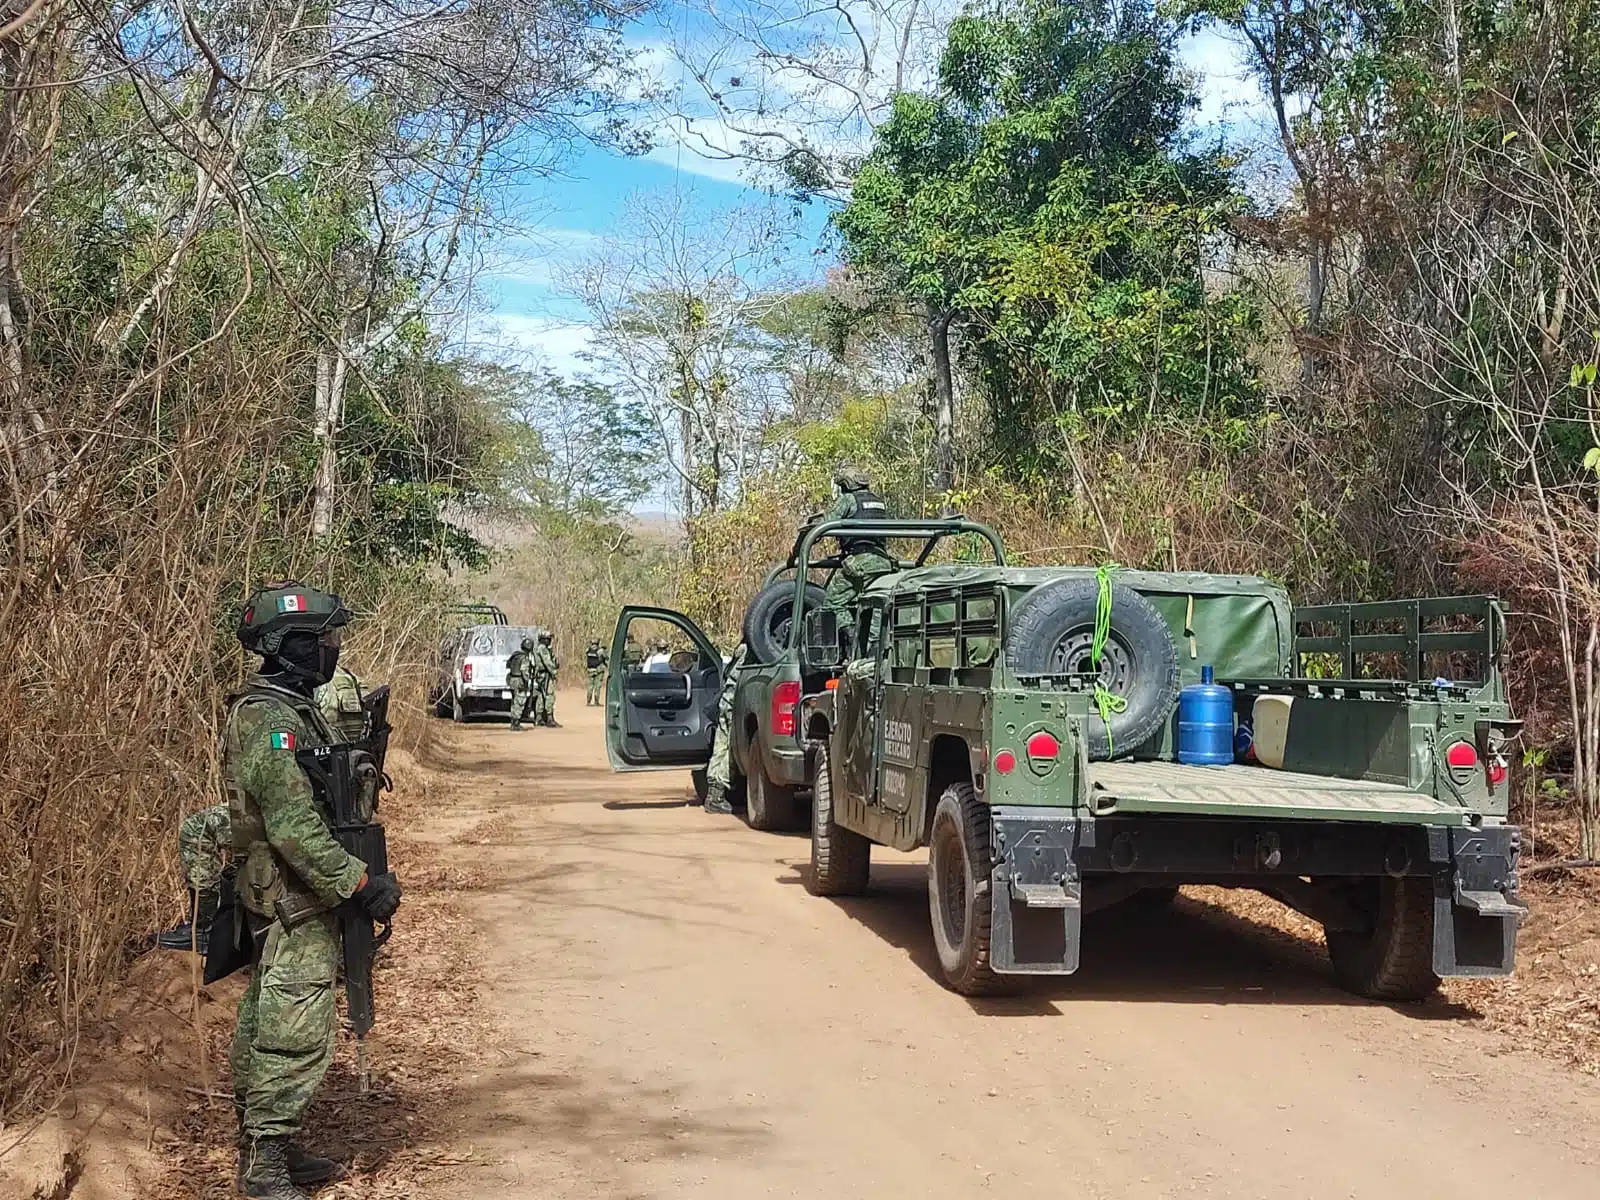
303, 656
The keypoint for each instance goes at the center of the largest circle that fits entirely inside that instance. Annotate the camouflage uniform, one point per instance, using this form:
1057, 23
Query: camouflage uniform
594, 662
632, 656
519, 677
204, 842
545, 666
340, 702
285, 849
718, 772
865, 558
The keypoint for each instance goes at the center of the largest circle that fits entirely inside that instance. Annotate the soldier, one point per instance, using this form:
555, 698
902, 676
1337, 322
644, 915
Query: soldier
632, 656
717, 772
341, 700
545, 666
292, 873
865, 558
594, 661
203, 846
519, 675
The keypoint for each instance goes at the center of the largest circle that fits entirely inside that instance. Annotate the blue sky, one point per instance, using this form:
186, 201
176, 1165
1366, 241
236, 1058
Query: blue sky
565, 217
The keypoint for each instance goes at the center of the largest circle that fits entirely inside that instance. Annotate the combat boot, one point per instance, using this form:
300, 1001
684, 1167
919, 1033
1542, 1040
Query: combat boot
515, 726
717, 799
194, 932
265, 1174
303, 1167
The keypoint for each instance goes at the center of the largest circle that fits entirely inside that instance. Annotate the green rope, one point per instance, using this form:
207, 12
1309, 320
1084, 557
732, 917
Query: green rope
1108, 703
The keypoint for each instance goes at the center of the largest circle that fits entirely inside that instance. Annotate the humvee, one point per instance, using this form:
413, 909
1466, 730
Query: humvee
974, 709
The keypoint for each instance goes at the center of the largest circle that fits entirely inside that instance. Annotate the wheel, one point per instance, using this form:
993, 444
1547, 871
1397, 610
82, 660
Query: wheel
960, 893
768, 807
767, 620
841, 859
1394, 960
1052, 632
458, 709
701, 784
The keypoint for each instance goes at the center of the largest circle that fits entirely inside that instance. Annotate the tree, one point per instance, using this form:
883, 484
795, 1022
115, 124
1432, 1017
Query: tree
1047, 201
677, 309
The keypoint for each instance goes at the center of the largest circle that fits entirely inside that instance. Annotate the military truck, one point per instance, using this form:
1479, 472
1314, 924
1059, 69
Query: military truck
1021, 723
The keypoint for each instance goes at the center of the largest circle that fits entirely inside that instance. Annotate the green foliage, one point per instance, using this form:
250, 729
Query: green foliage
1048, 198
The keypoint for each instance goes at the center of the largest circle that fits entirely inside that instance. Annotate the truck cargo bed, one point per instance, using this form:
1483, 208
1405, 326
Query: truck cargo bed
1245, 791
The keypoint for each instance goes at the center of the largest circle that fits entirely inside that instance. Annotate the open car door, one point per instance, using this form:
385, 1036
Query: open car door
663, 719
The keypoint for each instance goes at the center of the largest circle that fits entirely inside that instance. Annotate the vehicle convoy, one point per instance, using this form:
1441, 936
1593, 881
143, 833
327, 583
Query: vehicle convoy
1023, 724
470, 675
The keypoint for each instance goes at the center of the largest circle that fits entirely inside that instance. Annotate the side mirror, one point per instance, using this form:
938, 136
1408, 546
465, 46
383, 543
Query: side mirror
820, 649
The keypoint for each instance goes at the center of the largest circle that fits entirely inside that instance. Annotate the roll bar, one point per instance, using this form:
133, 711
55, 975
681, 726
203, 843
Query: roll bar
931, 531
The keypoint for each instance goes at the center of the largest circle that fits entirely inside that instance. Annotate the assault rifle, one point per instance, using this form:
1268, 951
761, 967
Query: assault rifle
339, 772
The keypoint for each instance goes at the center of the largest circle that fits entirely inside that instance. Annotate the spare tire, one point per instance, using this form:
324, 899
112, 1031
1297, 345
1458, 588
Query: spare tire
1052, 633
767, 620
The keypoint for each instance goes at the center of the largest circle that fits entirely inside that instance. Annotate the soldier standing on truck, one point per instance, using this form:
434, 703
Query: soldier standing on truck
545, 666
594, 662
865, 558
519, 677
718, 776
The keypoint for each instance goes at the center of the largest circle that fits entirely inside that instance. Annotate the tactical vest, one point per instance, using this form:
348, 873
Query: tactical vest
263, 878
594, 659
869, 506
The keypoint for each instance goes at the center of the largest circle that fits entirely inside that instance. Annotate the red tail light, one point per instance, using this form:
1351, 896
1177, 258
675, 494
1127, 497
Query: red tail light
1005, 762
1043, 746
466, 672
1497, 772
785, 700
1461, 756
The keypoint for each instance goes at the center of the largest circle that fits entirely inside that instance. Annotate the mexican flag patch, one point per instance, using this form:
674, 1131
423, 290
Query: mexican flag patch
289, 604
282, 740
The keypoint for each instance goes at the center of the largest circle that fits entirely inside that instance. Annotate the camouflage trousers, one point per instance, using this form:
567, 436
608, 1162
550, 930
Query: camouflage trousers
597, 685
852, 577
204, 842
544, 701
283, 1039
718, 770
521, 699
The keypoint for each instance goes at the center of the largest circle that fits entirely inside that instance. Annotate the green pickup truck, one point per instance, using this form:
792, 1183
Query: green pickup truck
976, 709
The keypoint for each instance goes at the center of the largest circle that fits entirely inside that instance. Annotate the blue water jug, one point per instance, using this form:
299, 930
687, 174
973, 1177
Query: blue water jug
1205, 723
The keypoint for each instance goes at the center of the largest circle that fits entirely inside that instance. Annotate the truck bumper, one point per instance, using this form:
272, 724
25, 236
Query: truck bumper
788, 765
1042, 856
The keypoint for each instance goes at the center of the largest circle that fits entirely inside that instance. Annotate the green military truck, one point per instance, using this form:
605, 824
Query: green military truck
975, 709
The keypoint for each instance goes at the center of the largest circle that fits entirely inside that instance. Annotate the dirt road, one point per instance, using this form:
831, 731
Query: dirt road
677, 1017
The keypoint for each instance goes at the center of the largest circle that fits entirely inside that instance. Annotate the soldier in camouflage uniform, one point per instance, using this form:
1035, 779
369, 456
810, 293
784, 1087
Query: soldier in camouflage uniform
204, 844
292, 873
545, 667
865, 558
519, 677
632, 656
594, 662
718, 773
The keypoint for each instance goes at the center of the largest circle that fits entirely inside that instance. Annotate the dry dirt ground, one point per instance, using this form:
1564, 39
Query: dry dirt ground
597, 991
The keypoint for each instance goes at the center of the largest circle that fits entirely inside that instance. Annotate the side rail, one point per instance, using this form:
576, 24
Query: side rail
1458, 638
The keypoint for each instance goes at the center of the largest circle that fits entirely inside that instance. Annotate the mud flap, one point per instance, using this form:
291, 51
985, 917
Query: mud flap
1476, 907
1037, 916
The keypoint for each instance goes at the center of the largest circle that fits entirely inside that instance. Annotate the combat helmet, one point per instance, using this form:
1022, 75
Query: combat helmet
546, 636
527, 643
848, 477
287, 607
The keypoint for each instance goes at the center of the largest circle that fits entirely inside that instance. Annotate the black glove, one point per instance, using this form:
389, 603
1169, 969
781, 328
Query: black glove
380, 897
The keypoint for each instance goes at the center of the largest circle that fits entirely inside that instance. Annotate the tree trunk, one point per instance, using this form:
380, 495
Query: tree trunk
327, 416
687, 461
944, 469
